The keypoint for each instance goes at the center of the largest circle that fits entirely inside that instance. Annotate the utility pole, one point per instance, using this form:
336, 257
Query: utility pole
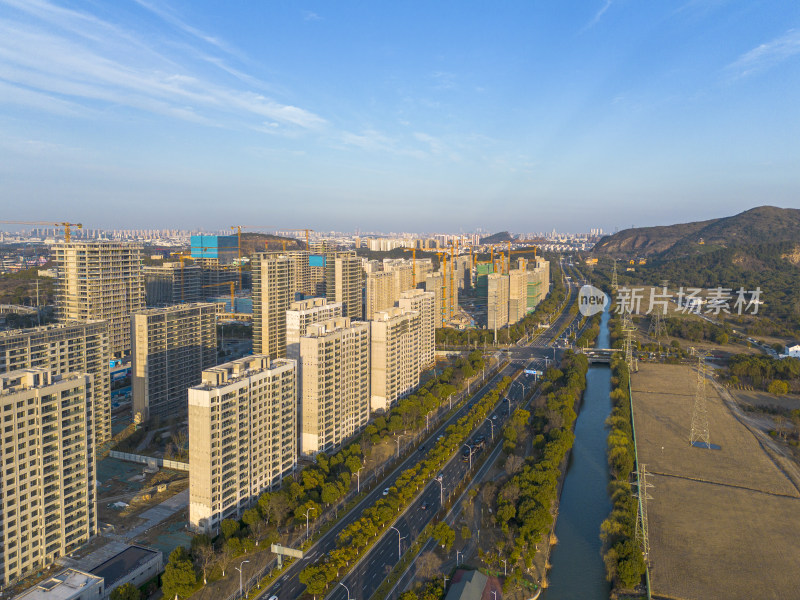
492, 424
399, 539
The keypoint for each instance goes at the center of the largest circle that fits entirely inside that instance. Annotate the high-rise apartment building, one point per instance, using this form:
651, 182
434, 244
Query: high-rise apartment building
100, 280
304, 285
48, 469
172, 346
395, 356
173, 283
517, 293
62, 349
380, 292
242, 436
303, 313
425, 304
273, 292
497, 301
335, 391
344, 281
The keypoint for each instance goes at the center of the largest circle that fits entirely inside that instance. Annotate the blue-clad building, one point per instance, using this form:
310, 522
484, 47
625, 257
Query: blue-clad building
224, 248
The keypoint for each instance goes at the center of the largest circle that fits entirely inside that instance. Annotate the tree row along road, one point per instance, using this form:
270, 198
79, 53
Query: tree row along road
288, 586
375, 565
455, 473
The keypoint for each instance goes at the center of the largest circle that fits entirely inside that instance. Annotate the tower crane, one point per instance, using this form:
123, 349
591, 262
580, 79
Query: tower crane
64, 224
308, 242
233, 289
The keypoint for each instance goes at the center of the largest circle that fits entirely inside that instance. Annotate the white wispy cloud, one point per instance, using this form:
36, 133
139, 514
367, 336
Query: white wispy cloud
65, 60
766, 55
311, 16
598, 15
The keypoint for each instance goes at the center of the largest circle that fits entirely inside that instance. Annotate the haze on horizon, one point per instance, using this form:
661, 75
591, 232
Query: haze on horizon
412, 116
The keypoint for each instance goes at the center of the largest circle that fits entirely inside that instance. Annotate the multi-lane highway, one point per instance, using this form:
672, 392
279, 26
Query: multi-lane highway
369, 572
288, 585
365, 577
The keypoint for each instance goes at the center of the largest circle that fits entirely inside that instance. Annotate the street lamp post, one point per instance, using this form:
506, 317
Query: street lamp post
399, 539
441, 491
505, 567
239, 568
347, 590
470, 456
307, 512
457, 553
358, 480
492, 424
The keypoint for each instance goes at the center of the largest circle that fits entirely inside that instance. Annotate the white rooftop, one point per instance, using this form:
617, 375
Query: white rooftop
66, 585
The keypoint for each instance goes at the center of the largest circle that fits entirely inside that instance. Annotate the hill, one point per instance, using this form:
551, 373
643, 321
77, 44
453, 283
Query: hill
498, 238
258, 242
761, 224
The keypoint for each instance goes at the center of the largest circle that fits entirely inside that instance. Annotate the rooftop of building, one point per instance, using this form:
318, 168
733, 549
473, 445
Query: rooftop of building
118, 566
236, 370
176, 308
49, 327
67, 584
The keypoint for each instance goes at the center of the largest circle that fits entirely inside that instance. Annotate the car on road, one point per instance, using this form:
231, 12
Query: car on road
273, 598
494, 417
386, 492
424, 506
421, 448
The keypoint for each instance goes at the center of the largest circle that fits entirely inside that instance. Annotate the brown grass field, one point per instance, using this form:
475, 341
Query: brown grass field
723, 523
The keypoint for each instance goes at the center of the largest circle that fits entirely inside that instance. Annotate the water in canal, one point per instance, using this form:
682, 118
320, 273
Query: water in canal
578, 571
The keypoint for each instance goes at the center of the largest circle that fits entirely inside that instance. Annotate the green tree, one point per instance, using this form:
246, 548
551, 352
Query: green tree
179, 579
778, 387
444, 535
127, 591
229, 527
251, 517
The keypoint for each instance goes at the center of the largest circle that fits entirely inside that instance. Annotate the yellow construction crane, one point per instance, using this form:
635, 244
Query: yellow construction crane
413, 262
63, 224
308, 241
233, 290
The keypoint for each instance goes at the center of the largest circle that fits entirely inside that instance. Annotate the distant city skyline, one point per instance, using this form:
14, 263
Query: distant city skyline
434, 116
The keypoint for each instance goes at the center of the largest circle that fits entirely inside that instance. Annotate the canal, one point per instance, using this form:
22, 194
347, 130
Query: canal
577, 564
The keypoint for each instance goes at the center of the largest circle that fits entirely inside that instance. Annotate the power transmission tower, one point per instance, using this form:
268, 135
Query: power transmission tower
628, 328
641, 517
657, 329
699, 435
614, 283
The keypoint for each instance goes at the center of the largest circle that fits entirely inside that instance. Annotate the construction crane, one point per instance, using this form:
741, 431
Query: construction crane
452, 278
527, 250
413, 262
308, 241
233, 290
63, 224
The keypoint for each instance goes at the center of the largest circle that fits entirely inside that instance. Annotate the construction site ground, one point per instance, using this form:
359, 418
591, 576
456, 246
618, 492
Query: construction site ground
722, 522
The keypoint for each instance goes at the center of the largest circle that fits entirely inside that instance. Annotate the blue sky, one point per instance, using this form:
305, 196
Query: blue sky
397, 116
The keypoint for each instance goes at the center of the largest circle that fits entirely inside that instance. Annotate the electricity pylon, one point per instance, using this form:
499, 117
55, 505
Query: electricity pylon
641, 517
699, 432
628, 328
657, 330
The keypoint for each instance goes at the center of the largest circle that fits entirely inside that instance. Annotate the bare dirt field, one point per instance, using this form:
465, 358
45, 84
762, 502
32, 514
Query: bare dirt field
723, 523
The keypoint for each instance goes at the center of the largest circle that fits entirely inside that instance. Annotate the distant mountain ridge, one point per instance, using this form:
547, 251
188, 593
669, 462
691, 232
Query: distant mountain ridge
762, 224
498, 238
